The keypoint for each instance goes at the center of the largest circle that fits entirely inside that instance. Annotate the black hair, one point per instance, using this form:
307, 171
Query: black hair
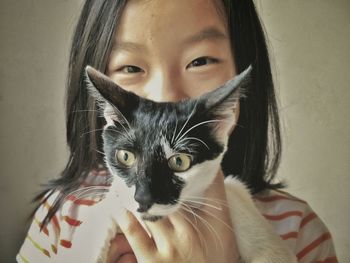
255, 147
255, 144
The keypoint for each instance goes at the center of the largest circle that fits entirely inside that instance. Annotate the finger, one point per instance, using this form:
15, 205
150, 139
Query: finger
185, 225
140, 242
127, 258
119, 246
162, 233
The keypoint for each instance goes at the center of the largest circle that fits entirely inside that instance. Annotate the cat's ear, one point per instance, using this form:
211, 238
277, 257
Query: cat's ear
222, 103
115, 103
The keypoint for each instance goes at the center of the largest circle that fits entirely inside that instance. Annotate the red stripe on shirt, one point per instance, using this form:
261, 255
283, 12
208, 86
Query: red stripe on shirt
56, 224
65, 243
328, 260
81, 201
273, 198
54, 219
307, 219
292, 197
72, 221
313, 245
44, 229
289, 235
283, 215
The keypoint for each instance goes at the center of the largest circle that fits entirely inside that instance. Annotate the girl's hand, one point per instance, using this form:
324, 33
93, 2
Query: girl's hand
181, 237
120, 251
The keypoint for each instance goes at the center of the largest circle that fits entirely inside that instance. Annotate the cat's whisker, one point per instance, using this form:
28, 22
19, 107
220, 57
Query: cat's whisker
94, 197
88, 187
122, 134
203, 203
85, 191
99, 151
193, 138
190, 209
89, 193
211, 229
184, 147
189, 117
127, 134
172, 139
91, 196
200, 234
109, 179
125, 120
213, 200
201, 239
216, 217
90, 132
198, 124
77, 111
97, 191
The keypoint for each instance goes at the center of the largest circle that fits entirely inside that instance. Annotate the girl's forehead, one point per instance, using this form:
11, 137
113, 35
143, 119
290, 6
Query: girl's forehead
161, 22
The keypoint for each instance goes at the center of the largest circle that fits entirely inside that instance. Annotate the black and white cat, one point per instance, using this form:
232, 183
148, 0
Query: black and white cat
162, 154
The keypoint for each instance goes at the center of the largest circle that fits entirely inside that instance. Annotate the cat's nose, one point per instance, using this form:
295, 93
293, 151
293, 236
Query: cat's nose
144, 198
143, 207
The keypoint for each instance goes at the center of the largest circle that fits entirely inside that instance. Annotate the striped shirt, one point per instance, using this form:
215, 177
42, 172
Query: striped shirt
292, 218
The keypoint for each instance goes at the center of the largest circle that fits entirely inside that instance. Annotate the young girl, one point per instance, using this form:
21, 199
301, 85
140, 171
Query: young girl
168, 51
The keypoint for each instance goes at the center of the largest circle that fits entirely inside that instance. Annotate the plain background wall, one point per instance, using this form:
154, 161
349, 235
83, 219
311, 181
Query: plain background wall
309, 43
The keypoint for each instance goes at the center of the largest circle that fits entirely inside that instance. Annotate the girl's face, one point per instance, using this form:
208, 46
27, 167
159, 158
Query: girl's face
170, 50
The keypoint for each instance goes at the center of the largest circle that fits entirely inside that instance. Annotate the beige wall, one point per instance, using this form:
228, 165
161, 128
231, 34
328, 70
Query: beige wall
310, 43
309, 39
35, 38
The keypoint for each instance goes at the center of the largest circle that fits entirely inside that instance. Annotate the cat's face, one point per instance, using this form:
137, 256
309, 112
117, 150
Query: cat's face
162, 155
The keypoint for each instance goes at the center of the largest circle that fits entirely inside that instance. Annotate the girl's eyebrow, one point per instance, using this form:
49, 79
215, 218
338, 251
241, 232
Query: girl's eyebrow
209, 34
128, 46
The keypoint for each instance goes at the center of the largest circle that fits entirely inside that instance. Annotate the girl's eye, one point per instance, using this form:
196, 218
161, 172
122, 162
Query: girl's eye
125, 158
180, 162
202, 61
129, 69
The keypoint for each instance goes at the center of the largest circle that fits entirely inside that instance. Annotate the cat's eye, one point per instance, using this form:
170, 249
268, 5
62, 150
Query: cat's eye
202, 61
129, 69
125, 157
180, 162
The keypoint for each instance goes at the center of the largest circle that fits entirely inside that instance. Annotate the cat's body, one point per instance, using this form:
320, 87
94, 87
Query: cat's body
162, 155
